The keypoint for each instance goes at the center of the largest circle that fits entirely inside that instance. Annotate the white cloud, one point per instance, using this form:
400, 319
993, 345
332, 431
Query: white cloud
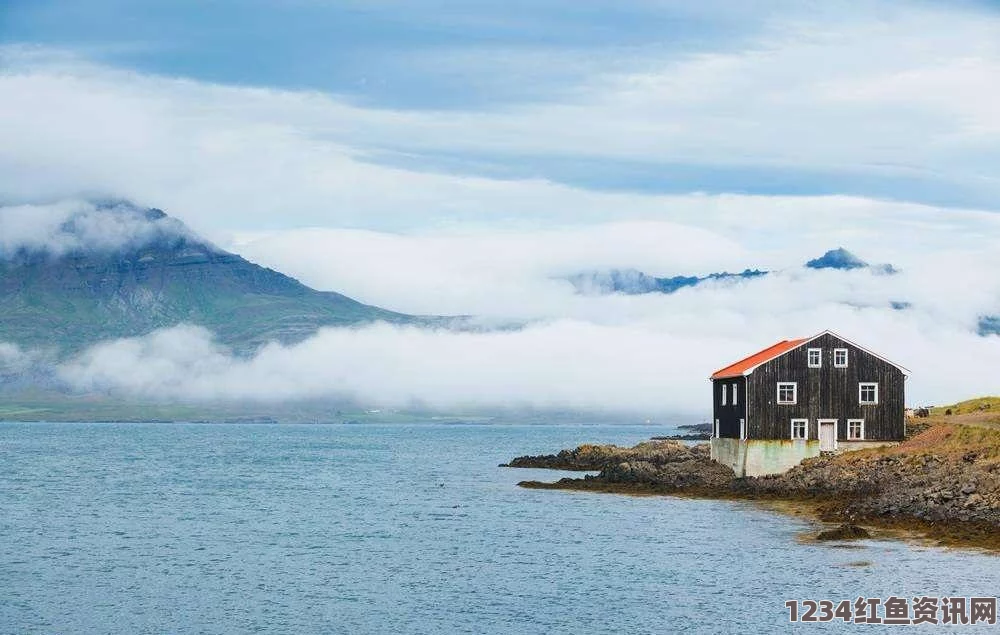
14, 360
68, 226
564, 364
645, 354
905, 94
517, 274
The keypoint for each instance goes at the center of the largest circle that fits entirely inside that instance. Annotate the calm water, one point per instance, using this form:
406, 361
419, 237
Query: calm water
397, 529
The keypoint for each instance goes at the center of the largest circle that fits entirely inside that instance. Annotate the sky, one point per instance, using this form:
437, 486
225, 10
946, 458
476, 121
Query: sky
461, 158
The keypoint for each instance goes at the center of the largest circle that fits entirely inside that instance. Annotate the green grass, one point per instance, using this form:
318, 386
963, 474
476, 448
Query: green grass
979, 404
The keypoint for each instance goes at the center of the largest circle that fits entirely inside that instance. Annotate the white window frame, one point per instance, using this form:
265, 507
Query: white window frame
853, 438
736, 394
725, 394
795, 393
861, 391
743, 428
818, 352
805, 429
836, 352
715, 430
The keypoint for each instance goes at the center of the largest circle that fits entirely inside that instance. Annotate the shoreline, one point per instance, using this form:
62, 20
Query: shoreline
960, 535
940, 487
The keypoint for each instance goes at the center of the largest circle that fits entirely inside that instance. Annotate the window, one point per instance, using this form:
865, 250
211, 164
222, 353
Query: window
736, 398
815, 357
715, 431
868, 393
840, 357
743, 428
800, 428
725, 389
788, 392
855, 429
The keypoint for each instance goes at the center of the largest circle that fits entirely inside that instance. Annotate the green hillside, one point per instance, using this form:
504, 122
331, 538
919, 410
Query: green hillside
979, 404
74, 299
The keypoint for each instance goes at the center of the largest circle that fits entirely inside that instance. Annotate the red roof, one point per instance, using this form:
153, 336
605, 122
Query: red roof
766, 355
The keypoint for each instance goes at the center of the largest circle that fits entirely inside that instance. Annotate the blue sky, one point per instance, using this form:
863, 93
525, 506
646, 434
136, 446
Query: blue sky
380, 52
504, 58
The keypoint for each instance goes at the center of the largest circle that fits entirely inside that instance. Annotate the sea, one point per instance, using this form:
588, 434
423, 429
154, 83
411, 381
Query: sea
404, 528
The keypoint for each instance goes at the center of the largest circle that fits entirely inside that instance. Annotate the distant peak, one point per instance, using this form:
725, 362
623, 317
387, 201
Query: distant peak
838, 258
635, 282
124, 206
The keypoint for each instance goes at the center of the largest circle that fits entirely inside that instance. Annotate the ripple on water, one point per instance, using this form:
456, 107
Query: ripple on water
408, 528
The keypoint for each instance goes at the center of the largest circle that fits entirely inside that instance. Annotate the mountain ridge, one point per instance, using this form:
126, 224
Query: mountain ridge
635, 282
69, 294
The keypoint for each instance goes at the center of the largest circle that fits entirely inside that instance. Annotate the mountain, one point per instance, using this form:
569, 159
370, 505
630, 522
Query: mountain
838, 258
115, 270
635, 282
989, 325
843, 260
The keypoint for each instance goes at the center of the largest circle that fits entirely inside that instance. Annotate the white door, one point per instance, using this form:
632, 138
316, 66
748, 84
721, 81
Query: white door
827, 435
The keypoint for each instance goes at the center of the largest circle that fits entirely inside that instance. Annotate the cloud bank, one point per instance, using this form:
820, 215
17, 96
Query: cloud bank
645, 355
876, 130
71, 226
894, 104
642, 370
947, 260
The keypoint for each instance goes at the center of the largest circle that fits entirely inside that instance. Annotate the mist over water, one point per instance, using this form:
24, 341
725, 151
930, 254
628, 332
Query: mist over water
396, 528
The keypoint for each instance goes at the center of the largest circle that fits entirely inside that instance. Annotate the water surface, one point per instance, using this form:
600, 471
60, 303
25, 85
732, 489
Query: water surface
185, 528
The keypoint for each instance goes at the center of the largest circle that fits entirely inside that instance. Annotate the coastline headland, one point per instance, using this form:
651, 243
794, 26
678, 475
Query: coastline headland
942, 483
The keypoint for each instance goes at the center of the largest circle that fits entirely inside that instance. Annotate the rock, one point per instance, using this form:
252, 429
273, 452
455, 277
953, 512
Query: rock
973, 501
601, 457
695, 436
936, 482
846, 531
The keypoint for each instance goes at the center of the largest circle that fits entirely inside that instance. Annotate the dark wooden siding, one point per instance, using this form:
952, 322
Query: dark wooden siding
826, 393
729, 415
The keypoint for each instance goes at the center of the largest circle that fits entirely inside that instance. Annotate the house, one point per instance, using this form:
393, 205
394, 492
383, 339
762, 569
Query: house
799, 398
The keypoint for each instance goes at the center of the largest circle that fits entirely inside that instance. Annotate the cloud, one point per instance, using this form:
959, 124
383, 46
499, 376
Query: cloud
644, 355
518, 274
894, 105
69, 226
563, 364
14, 360
880, 115
20, 368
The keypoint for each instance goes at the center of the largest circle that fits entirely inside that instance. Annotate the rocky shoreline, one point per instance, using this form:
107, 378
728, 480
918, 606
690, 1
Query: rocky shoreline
943, 483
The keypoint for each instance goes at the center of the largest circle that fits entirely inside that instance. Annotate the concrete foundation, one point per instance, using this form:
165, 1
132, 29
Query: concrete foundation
757, 457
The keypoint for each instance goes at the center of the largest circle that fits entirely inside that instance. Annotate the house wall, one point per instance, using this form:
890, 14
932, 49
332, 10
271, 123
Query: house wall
826, 393
755, 457
729, 415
